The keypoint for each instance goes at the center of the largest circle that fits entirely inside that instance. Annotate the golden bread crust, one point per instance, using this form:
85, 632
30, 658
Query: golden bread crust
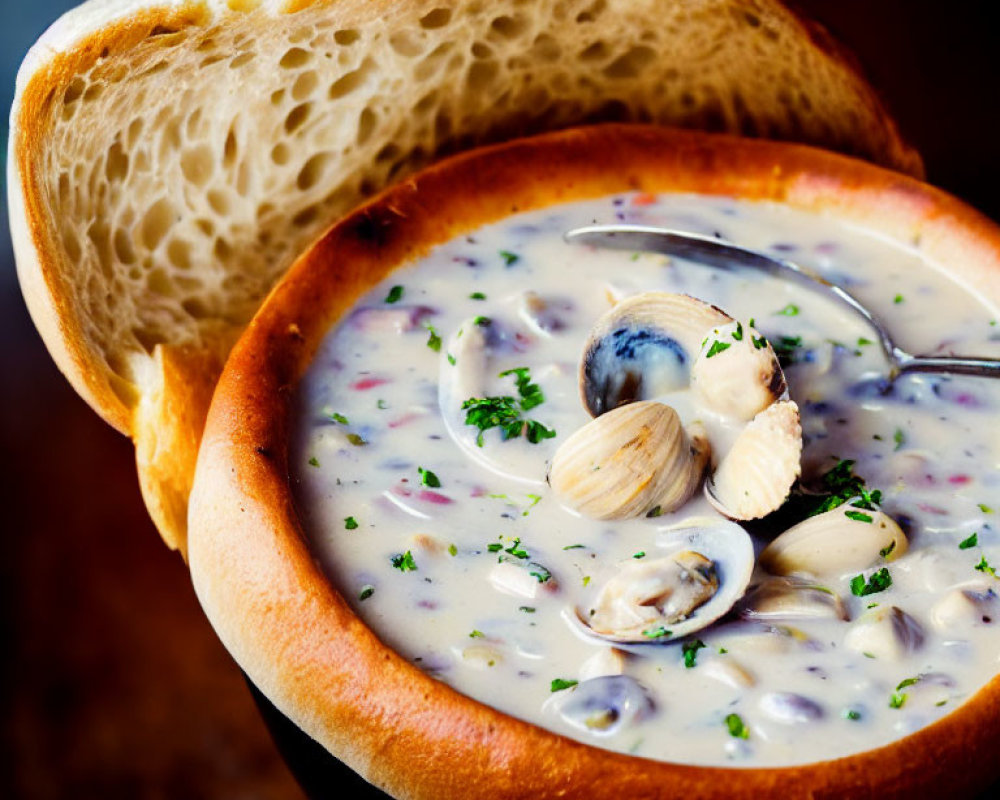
152, 210
296, 636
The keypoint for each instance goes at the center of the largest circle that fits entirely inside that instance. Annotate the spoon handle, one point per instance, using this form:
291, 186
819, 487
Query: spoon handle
956, 365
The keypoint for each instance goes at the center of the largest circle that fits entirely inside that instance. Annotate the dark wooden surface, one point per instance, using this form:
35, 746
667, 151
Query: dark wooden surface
113, 684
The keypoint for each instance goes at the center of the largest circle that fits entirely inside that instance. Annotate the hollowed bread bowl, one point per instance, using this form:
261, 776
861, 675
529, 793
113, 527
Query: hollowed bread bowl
296, 636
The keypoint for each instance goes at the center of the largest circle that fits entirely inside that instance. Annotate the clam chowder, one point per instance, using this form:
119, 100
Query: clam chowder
600, 592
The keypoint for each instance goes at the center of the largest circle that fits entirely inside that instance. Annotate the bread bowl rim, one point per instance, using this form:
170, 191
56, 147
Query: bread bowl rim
296, 636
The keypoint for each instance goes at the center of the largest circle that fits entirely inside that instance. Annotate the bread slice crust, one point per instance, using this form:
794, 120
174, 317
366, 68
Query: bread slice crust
168, 160
296, 636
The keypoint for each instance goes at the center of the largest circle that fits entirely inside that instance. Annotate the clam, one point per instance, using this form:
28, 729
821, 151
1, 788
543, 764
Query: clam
964, 608
628, 461
662, 599
754, 477
791, 598
790, 708
885, 632
848, 538
643, 348
603, 705
736, 373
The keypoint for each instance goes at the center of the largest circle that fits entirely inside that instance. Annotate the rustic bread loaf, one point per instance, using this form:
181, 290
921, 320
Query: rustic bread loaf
167, 160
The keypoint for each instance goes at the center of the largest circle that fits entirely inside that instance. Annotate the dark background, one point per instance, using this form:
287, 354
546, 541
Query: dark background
113, 684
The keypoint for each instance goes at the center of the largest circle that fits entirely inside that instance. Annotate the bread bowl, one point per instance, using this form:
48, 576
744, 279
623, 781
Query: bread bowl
257, 571
151, 212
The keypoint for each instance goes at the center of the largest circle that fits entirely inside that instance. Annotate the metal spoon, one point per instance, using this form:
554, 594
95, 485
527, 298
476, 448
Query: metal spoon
716, 253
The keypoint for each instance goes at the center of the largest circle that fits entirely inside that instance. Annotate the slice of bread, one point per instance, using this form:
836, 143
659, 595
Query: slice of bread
167, 160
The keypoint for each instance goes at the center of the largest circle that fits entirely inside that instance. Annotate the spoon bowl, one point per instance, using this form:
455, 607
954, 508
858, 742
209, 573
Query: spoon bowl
723, 255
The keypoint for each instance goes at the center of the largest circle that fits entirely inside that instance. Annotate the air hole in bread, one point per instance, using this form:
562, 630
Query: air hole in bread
215, 58
92, 92
481, 75
631, 63
170, 139
305, 85
76, 88
100, 236
134, 131
222, 250
367, 121
179, 253
509, 27
159, 66
241, 59
302, 34
123, 246
350, 81
346, 36
294, 58
305, 217
592, 12
147, 339
206, 226
277, 97
218, 199
426, 103
71, 244
229, 149
159, 283
432, 62
280, 153
156, 222
312, 171
481, 50
407, 44
243, 178
436, 18
297, 116
597, 51
545, 49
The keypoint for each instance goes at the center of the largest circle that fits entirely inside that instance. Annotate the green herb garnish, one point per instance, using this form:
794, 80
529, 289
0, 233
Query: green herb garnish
433, 339
984, 508
885, 551
526, 609
477, 635
972, 541
504, 412
452, 550
404, 562
356, 439
350, 523
785, 349
428, 478
716, 348
477, 296
850, 713
899, 438
540, 573
333, 415
366, 591
879, 581
690, 650
858, 516
897, 299
509, 258
314, 462
558, 684
791, 310
984, 566
640, 554
737, 729
516, 550
738, 333
656, 633
395, 294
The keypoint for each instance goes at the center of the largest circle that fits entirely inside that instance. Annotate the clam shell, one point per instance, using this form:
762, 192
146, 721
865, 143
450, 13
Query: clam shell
791, 598
642, 348
637, 597
626, 462
755, 476
832, 543
736, 373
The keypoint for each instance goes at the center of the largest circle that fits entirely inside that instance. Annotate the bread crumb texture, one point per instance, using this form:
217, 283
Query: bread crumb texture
183, 172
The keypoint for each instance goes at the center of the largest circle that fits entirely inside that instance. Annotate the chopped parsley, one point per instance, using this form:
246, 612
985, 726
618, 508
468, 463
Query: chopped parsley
898, 697
404, 562
333, 415
839, 484
885, 551
366, 591
972, 541
736, 726
716, 348
504, 412
356, 439
574, 547
428, 478
655, 511
516, 550
658, 632
314, 462
878, 581
477, 296
851, 714
452, 550
791, 310
451, 359
897, 299
640, 554
381, 404
494, 547
759, 342
509, 258
527, 609
539, 573
350, 523
395, 294
690, 650
738, 333
433, 339
482, 322
477, 635
858, 516
899, 438
558, 684
984, 566
984, 508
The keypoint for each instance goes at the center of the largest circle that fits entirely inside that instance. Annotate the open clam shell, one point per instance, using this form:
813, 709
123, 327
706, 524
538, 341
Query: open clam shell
696, 579
643, 348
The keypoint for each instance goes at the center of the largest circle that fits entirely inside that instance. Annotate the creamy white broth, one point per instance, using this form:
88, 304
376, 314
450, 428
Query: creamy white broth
930, 444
